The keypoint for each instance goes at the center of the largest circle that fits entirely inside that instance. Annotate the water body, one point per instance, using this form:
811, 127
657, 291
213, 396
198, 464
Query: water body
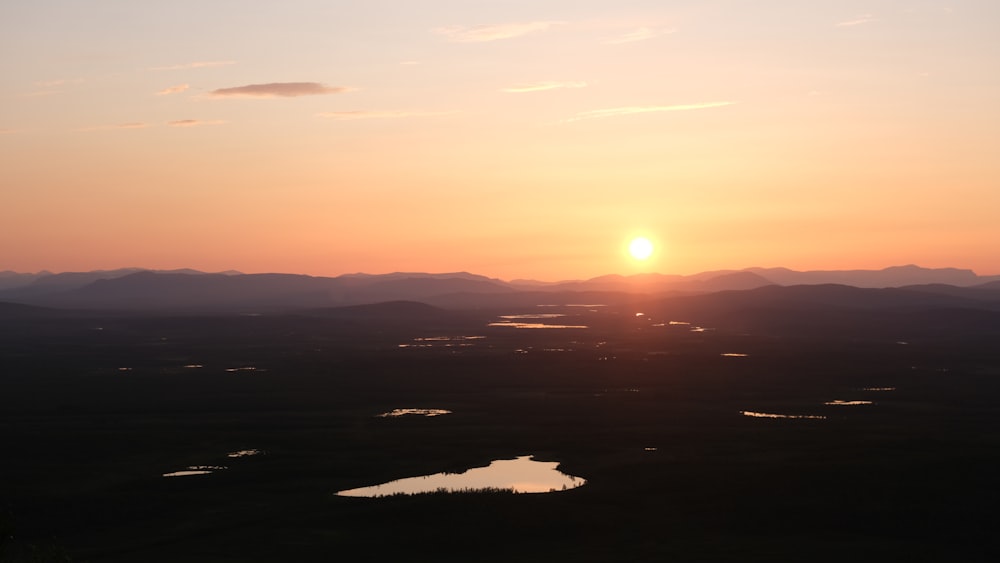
534, 316
533, 325
195, 470
418, 412
520, 475
839, 402
244, 453
755, 414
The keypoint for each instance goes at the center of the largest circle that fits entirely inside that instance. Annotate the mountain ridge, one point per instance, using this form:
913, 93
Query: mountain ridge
186, 289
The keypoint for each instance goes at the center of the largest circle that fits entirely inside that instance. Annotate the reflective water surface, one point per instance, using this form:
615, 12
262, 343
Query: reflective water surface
195, 470
848, 403
533, 325
755, 414
244, 453
520, 475
420, 412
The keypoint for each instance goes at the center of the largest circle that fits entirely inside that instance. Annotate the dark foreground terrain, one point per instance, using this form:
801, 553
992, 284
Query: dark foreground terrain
95, 408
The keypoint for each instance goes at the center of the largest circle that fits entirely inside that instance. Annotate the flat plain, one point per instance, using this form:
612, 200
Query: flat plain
883, 445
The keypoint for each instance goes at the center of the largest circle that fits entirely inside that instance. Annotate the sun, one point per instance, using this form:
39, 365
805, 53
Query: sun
640, 248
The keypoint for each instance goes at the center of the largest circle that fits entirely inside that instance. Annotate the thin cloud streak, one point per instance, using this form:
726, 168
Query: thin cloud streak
355, 115
862, 19
55, 83
197, 64
193, 122
129, 125
629, 110
278, 90
640, 34
486, 33
173, 90
541, 86
144, 125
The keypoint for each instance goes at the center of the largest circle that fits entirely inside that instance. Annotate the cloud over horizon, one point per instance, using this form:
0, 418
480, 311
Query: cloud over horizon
173, 90
278, 90
485, 33
545, 85
629, 110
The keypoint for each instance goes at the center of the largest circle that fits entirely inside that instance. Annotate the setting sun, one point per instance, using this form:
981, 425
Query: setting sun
640, 248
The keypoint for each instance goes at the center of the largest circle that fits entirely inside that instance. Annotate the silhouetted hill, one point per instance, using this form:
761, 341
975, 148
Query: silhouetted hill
660, 283
895, 276
985, 292
414, 275
835, 295
421, 288
735, 280
156, 291
132, 289
26, 285
17, 310
10, 279
148, 290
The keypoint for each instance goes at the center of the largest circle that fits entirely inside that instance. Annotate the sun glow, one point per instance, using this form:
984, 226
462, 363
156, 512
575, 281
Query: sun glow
640, 248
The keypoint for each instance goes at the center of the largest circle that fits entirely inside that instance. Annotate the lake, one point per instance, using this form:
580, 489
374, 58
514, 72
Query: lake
520, 475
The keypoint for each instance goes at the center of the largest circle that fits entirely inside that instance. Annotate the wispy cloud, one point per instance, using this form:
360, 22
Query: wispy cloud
144, 125
57, 83
629, 110
352, 115
194, 122
129, 125
540, 86
50, 87
278, 90
197, 64
862, 19
640, 34
484, 33
173, 90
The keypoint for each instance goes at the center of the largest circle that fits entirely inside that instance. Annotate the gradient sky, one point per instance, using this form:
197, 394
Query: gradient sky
516, 139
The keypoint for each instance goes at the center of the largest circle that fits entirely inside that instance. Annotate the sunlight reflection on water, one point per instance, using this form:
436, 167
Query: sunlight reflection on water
533, 325
195, 470
848, 403
754, 414
420, 412
520, 475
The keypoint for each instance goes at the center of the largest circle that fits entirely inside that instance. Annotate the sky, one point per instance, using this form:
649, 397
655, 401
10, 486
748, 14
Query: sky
514, 139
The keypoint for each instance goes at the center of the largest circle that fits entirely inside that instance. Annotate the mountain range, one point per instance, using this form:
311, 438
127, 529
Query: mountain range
183, 290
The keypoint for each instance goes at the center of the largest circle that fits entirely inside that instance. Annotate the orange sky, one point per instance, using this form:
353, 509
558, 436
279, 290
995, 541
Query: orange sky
514, 139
